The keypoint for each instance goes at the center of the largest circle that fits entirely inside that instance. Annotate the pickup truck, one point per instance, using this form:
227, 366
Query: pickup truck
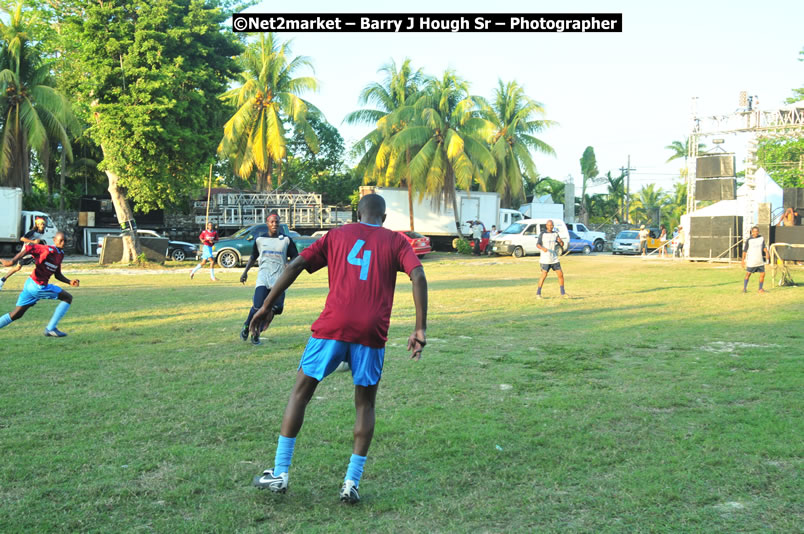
598, 238
235, 250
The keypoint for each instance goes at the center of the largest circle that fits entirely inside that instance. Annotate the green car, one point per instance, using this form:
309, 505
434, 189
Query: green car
235, 250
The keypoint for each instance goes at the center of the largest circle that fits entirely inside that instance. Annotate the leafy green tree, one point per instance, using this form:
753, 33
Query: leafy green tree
324, 171
589, 172
783, 159
146, 75
35, 115
447, 140
255, 137
516, 118
378, 162
798, 94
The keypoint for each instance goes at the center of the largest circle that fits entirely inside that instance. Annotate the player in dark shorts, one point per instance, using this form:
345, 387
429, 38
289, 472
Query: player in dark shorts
363, 260
754, 253
36, 236
548, 259
48, 263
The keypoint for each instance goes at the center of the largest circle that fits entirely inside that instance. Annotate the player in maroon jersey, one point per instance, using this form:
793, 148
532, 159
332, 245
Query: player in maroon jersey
48, 263
363, 260
208, 238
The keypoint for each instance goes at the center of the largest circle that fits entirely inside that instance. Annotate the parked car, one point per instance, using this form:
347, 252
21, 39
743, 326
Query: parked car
520, 238
578, 244
626, 242
420, 243
598, 239
177, 250
235, 250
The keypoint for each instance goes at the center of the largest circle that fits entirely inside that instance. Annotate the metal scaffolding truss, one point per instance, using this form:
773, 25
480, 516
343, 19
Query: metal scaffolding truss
759, 124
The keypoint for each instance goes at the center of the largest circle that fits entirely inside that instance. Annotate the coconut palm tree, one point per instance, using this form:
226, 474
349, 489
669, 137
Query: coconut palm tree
447, 140
516, 118
647, 200
34, 113
254, 138
617, 192
377, 161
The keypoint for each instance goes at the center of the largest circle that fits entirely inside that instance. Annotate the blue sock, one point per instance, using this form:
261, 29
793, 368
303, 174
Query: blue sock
355, 469
5, 320
212, 272
745, 284
284, 454
61, 309
562, 289
760, 285
539, 291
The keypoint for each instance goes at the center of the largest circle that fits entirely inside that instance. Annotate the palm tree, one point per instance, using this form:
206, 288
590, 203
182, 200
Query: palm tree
254, 138
447, 141
514, 117
377, 161
647, 200
681, 150
33, 112
617, 192
549, 186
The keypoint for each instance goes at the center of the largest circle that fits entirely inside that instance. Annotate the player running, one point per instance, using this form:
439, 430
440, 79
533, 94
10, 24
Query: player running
48, 263
753, 259
272, 252
208, 238
363, 260
36, 236
548, 259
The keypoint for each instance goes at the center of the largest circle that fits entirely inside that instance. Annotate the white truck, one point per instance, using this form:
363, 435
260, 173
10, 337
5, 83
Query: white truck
598, 238
14, 221
436, 220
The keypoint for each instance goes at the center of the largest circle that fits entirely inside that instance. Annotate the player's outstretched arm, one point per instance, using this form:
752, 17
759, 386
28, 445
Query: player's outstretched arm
61, 278
15, 259
418, 339
263, 317
251, 261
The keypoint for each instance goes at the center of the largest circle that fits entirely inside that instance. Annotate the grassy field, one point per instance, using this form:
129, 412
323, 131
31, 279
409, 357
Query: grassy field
659, 399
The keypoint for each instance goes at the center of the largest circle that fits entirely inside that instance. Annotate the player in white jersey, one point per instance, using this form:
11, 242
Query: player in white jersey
754, 252
548, 259
271, 253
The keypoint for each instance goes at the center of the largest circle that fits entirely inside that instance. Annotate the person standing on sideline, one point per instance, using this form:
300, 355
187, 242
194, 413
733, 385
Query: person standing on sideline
36, 236
754, 253
681, 239
548, 259
363, 260
494, 233
272, 252
643, 240
663, 240
208, 238
48, 263
477, 235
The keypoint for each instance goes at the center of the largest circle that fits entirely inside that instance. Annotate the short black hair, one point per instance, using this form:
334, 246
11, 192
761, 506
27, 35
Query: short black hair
372, 205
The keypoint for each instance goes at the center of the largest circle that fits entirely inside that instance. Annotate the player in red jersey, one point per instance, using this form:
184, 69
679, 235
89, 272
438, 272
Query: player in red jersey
48, 263
208, 238
363, 261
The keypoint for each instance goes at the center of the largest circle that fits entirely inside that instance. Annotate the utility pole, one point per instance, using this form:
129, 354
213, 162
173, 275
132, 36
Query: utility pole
627, 171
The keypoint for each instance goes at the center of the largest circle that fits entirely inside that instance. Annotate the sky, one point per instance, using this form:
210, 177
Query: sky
624, 94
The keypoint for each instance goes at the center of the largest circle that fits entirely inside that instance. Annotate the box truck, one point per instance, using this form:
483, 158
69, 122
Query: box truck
14, 221
437, 220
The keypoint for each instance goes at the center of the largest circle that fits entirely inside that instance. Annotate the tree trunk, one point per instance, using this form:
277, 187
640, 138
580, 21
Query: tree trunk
410, 191
62, 177
131, 243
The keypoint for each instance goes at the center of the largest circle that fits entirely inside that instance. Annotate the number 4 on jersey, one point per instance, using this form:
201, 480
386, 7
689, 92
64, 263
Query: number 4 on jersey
363, 262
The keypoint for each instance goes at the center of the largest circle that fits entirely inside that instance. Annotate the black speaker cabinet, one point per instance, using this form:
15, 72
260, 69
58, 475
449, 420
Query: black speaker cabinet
716, 189
793, 197
714, 166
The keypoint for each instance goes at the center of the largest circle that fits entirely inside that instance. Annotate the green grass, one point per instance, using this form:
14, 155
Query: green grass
660, 399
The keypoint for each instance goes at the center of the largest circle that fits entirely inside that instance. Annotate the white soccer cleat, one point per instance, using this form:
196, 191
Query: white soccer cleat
349, 492
277, 484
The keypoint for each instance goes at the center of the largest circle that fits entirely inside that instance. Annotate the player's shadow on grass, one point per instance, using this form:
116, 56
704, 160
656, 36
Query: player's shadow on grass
665, 288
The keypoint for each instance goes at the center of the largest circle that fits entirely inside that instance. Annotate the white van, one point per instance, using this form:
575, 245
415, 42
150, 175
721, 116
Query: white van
519, 239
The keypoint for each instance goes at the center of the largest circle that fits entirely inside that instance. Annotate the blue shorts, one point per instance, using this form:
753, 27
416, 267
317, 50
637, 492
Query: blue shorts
322, 356
759, 269
554, 266
206, 252
33, 292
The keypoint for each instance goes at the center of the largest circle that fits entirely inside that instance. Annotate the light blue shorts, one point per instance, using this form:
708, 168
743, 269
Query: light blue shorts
33, 292
322, 356
206, 252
